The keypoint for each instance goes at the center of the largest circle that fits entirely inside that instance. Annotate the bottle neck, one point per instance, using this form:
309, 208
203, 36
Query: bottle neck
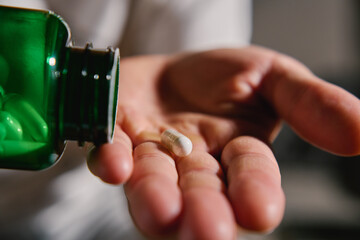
88, 97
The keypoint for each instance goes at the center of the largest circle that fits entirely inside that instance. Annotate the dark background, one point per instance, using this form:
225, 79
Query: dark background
322, 190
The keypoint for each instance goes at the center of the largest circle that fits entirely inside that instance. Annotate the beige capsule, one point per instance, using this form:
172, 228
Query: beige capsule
176, 142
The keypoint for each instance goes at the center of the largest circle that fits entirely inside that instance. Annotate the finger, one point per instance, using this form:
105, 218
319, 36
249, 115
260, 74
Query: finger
152, 191
112, 162
207, 214
254, 184
322, 113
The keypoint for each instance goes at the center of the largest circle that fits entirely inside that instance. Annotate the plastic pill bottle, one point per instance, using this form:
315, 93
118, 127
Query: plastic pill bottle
50, 91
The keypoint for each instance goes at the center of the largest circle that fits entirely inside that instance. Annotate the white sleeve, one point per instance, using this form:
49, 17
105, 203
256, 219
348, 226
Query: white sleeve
165, 26
100, 22
37, 4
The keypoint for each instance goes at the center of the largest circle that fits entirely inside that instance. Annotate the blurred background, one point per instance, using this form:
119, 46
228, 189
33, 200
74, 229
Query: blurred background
322, 190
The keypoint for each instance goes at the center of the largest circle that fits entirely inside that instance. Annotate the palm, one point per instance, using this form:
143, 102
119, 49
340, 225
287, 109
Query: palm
210, 100
229, 103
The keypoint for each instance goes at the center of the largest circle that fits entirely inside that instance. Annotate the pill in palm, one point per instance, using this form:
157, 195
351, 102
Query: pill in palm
13, 129
176, 142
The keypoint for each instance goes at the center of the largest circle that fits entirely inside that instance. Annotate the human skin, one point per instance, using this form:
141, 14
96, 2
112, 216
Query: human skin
230, 103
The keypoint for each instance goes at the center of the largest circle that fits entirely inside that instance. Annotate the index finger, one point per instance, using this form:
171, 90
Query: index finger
320, 112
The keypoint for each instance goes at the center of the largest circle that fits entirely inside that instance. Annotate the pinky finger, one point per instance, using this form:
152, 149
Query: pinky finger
112, 162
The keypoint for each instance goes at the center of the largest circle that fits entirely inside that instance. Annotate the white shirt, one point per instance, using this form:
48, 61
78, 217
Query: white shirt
66, 201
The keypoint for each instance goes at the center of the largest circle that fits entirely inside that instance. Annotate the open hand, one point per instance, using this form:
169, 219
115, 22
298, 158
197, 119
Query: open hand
230, 103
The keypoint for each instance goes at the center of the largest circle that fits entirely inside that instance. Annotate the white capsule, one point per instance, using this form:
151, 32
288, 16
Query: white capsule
176, 142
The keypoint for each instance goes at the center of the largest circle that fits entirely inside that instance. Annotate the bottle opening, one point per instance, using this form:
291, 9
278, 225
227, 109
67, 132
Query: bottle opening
88, 99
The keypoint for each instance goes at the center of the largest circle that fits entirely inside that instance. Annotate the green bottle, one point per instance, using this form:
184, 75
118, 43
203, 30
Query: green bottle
50, 91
